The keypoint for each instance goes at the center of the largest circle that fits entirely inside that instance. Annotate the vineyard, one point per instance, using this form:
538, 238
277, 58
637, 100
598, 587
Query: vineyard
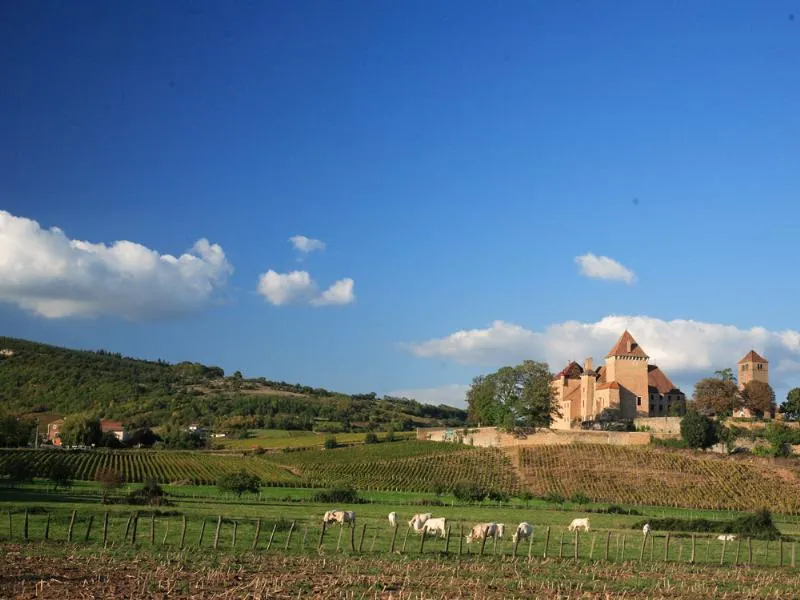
400, 466
644, 476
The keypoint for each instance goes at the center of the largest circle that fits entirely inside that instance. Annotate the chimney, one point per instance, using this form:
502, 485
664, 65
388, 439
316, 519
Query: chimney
587, 364
630, 346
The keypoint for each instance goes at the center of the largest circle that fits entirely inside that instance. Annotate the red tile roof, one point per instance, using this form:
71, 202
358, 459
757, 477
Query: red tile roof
753, 356
608, 386
572, 371
659, 381
106, 426
627, 346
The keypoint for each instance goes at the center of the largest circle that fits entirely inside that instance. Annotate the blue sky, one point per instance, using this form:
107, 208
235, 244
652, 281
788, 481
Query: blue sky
454, 159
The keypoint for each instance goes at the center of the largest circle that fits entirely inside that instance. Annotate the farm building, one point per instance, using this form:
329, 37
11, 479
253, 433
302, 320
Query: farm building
115, 428
626, 383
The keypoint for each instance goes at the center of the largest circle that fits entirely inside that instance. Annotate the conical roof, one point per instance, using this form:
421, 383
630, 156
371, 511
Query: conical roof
754, 357
627, 346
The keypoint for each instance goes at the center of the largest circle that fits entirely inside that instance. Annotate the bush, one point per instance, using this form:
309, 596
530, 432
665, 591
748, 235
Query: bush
346, 495
579, 498
371, 438
60, 474
467, 491
757, 525
150, 493
239, 482
698, 431
554, 497
331, 443
390, 437
497, 496
668, 443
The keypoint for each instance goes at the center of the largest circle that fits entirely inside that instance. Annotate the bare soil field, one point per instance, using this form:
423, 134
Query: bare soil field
30, 572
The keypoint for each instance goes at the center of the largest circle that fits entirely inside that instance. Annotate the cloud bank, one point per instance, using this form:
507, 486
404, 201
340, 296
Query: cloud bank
48, 274
297, 287
603, 267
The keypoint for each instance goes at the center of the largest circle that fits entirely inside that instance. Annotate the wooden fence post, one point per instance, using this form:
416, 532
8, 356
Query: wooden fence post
561, 545
403, 549
305, 536
25, 526
134, 526
233, 539
666, 548
105, 529
88, 528
546, 542
339, 539
271, 537
289, 537
749, 551
514, 548
591, 547
258, 532
422, 541
361, 537
691, 558
10, 531
624, 537
644, 543
47, 528
530, 545
780, 552
794, 554
166, 533
352, 537
69, 530
447, 540
321, 535
374, 537
708, 549
202, 531
652, 547
153, 529
216, 531
738, 547
394, 537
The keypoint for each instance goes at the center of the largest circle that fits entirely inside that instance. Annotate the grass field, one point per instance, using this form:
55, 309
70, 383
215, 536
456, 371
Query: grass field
270, 439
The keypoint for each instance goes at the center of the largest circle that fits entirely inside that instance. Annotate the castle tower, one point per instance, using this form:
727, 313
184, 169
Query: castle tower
626, 365
588, 379
752, 367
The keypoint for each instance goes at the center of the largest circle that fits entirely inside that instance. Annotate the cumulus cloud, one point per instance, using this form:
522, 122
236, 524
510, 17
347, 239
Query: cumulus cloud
453, 394
603, 267
46, 273
339, 293
297, 287
685, 349
306, 245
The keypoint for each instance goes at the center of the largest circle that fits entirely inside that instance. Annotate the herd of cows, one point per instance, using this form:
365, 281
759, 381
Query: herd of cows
437, 526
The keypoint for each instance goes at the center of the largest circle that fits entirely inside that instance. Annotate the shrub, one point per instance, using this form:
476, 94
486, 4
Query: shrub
497, 496
554, 497
60, 474
334, 495
579, 498
239, 482
331, 443
371, 438
467, 491
150, 493
698, 431
668, 442
390, 436
757, 525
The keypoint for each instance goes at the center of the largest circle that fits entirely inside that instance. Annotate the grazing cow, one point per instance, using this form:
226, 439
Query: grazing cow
437, 526
579, 524
486, 531
418, 520
393, 519
329, 516
341, 517
726, 537
646, 529
523, 532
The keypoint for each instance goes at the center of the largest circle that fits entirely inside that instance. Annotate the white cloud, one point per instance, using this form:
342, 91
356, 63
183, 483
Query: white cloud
339, 293
297, 287
50, 275
453, 394
685, 349
286, 288
306, 245
603, 267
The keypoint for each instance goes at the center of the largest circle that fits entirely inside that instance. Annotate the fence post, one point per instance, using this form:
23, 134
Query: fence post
361, 537
374, 537
794, 554
447, 541
153, 529
88, 528
202, 531
166, 533
47, 528
591, 547
216, 531
321, 535
577, 543
271, 537
494, 546
546, 542
394, 537
738, 546
561, 545
258, 532
352, 537
514, 548
69, 531
644, 543
289, 537
460, 537
25, 527
766, 554
624, 537
483, 544
691, 558
9, 524
305, 536
780, 551
404, 541
339, 539
666, 548
134, 526
422, 541
749, 551
235, 527
128, 526
105, 528
530, 544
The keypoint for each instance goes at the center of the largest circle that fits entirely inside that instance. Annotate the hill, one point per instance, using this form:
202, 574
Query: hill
38, 378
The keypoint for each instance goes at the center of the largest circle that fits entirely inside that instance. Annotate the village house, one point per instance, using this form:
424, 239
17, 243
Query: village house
115, 428
626, 386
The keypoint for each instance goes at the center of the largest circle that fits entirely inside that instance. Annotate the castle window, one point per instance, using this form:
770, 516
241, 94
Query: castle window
760, 366
638, 400
744, 367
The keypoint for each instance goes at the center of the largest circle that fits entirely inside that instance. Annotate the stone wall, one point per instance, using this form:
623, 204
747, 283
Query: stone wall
660, 424
491, 436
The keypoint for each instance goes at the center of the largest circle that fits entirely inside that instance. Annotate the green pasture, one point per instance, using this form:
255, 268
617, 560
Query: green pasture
270, 439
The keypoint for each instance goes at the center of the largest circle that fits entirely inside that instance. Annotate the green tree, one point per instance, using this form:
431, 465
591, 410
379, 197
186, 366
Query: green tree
791, 408
697, 430
371, 438
109, 480
239, 483
60, 474
717, 396
759, 398
781, 438
16, 470
15, 431
80, 430
725, 375
519, 396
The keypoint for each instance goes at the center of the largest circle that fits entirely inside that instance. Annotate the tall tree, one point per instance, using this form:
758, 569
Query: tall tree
759, 398
791, 408
717, 396
519, 396
725, 375
697, 430
81, 431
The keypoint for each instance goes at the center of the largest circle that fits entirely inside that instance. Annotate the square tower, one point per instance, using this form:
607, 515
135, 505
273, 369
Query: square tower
753, 367
626, 365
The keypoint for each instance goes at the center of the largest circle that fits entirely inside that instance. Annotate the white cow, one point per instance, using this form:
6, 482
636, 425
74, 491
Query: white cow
329, 516
485, 531
579, 524
523, 532
341, 517
437, 527
726, 537
418, 520
646, 529
393, 519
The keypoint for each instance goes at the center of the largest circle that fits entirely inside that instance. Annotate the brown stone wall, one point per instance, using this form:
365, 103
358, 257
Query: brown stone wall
490, 436
660, 424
